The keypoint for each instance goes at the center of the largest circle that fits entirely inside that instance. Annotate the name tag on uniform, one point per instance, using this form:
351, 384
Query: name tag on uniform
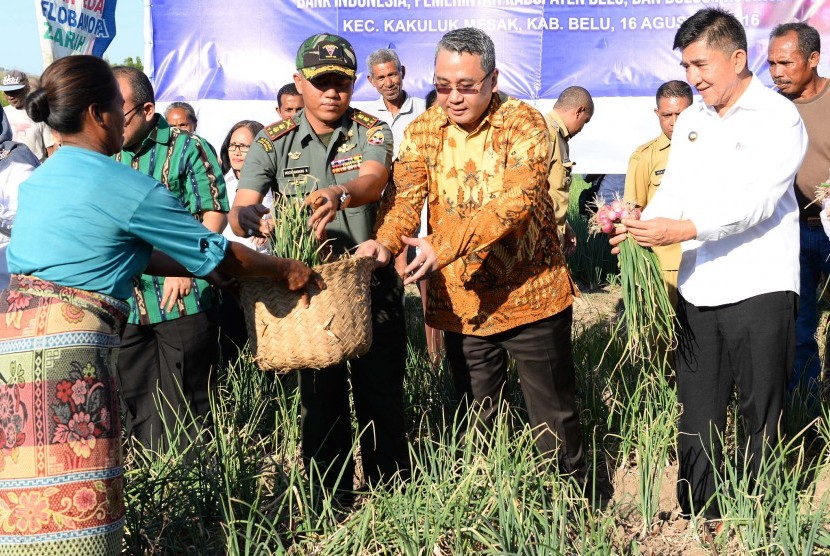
346, 164
294, 172
659, 172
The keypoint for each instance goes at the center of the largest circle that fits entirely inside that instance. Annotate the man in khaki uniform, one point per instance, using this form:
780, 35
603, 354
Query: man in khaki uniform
648, 163
340, 158
572, 110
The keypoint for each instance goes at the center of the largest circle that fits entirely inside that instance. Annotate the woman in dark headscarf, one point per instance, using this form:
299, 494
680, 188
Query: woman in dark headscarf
86, 225
16, 164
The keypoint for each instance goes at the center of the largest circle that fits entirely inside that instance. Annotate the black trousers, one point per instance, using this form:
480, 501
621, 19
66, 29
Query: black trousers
173, 359
544, 360
377, 389
750, 344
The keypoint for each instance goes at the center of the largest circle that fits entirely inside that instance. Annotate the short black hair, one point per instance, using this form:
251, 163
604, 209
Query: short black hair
674, 89
288, 89
139, 83
718, 29
574, 97
809, 40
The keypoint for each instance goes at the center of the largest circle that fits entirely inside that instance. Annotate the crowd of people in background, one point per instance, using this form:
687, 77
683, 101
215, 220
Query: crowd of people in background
464, 193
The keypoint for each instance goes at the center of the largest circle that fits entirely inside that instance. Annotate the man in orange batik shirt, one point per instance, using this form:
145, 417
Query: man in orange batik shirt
497, 278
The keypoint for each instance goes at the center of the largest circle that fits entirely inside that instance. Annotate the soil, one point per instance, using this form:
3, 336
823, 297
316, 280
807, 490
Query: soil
669, 533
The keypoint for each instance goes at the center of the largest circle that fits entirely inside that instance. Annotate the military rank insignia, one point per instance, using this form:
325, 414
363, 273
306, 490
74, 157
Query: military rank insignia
375, 136
364, 119
346, 164
277, 130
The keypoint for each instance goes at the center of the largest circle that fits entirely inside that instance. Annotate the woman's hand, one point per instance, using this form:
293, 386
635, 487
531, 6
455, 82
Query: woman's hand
297, 276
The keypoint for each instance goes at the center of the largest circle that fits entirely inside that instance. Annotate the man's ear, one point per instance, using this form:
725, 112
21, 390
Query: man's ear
149, 110
739, 60
403, 72
813, 59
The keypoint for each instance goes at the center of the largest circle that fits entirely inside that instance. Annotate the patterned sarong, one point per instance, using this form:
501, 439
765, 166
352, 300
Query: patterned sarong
61, 484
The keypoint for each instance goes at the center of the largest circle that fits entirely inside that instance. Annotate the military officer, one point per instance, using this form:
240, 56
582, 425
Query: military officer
648, 163
340, 159
572, 110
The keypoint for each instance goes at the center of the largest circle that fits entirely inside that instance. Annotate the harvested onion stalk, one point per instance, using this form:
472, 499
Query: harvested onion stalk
648, 315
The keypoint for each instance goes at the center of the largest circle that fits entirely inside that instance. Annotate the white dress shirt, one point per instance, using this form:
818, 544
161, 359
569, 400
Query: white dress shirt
411, 109
732, 176
231, 184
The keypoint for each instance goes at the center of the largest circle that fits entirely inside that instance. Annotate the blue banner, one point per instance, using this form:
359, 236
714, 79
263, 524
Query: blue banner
213, 49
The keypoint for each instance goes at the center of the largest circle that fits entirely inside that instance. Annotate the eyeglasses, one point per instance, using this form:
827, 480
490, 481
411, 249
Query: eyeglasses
133, 111
473, 89
241, 147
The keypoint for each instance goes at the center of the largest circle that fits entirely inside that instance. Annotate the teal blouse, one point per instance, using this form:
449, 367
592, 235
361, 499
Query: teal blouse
88, 222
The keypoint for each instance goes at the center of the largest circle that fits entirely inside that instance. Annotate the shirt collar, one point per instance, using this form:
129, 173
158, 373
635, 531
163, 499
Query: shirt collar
561, 123
753, 98
663, 142
305, 130
406, 107
159, 134
492, 117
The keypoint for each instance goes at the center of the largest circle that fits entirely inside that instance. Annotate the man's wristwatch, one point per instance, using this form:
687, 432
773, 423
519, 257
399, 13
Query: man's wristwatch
345, 198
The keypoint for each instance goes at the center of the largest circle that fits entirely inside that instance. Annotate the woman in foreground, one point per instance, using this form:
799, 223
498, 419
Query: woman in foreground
85, 226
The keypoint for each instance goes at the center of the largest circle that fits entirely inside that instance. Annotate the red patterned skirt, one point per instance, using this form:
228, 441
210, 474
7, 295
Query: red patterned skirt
61, 479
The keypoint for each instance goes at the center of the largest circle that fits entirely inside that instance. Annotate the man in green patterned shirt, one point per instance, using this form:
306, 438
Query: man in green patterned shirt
170, 344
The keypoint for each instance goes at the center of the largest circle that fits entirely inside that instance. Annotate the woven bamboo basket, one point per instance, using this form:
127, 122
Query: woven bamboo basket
335, 327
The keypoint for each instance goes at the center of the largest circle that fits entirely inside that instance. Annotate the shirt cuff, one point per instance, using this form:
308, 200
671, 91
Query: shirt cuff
214, 247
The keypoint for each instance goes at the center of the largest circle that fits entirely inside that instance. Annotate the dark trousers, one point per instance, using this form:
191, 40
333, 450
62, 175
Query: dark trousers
233, 335
544, 360
167, 365
814, 261
750, 344
377, 389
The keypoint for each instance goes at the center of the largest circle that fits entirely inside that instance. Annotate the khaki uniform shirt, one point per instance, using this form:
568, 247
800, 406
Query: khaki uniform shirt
490, 214
559, 178
645, 172
289, 158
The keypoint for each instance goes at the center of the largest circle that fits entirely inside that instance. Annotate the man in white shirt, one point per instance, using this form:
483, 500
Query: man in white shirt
395, 106
36, 136
727, 197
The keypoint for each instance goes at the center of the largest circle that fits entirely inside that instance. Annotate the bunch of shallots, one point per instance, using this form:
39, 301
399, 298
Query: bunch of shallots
613, 213
648, 316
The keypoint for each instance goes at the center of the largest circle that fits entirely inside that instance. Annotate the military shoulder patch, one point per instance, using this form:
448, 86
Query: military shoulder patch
375, 136
364, 119
278, 129
267, 146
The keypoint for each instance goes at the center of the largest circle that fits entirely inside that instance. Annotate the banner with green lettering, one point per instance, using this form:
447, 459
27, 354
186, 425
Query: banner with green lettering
69, 27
